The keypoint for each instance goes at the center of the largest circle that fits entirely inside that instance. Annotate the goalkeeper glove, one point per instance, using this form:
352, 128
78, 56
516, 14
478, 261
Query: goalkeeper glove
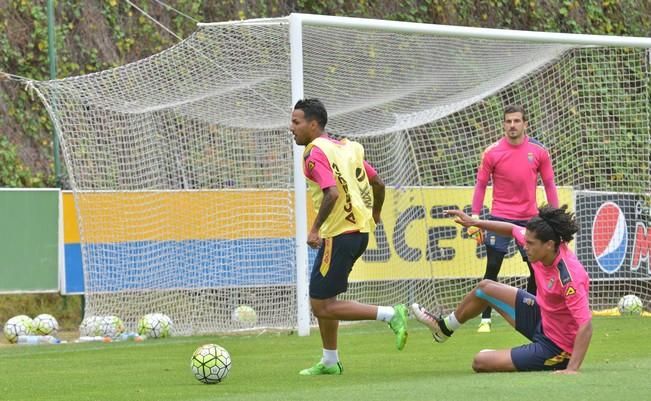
476, 232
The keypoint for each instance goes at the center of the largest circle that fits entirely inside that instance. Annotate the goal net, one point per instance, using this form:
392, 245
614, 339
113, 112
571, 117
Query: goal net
182, 167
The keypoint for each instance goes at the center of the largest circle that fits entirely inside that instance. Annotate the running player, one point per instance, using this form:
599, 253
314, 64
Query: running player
348, 195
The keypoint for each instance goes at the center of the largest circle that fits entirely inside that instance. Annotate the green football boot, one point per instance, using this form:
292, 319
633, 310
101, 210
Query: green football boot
399, 325
321, 369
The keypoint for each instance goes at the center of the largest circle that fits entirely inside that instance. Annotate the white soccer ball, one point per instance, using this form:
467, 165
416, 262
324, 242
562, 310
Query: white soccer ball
110, 326
45, 324
630, 305
245, 314
166, 318
20, 325
155, 325
210, 363
91, 326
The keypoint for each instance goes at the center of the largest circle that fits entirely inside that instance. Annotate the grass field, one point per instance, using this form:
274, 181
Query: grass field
265, 368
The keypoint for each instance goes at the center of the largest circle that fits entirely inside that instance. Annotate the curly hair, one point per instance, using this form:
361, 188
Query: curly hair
553, 224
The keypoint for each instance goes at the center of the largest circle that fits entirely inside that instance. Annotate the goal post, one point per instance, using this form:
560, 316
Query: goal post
300, 186
190, 192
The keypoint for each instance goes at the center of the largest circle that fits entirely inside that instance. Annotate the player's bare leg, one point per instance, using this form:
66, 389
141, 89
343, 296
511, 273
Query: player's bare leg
500, 297
328, 312
332, 308
493, 361
335, 309
328, 328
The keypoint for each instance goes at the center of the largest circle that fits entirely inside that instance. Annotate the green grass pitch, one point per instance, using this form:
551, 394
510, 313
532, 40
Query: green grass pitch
265, 367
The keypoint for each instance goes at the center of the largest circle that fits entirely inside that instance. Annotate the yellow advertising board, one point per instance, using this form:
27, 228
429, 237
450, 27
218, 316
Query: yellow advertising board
417, 240
111, 217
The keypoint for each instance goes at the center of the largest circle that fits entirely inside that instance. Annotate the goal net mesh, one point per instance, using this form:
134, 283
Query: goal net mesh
181, 165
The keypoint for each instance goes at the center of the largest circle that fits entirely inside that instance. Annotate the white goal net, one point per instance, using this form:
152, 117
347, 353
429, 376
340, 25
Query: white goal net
182, 167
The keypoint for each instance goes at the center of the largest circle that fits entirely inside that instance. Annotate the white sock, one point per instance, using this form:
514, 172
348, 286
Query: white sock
385, 313
484, 320
451, 322
330, 357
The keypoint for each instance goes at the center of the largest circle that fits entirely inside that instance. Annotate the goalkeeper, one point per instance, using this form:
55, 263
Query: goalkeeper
512, 164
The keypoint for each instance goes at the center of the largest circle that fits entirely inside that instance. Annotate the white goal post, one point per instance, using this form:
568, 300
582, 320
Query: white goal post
191, 197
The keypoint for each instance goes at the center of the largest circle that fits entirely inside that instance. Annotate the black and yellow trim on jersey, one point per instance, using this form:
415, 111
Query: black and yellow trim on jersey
563, 273
306, 152
327, 256
560, 358
565, 277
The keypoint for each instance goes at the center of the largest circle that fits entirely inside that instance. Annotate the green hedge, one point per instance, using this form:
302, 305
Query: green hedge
107, 33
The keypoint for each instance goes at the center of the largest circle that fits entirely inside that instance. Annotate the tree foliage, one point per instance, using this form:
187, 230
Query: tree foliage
94, 35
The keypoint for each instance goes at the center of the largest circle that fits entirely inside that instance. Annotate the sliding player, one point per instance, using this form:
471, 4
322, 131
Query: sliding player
557, 320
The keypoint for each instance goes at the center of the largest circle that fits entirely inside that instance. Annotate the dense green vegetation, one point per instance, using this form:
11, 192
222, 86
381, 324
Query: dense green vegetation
66, 309
94, 35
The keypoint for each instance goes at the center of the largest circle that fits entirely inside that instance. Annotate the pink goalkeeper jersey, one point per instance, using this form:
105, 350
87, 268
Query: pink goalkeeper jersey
321, 172
514, 171
562, 294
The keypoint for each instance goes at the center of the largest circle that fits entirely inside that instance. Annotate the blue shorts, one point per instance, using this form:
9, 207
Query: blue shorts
334, 262
501, 243
542, 353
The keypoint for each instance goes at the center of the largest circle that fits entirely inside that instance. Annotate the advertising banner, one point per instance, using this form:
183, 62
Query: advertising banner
614, 237
416, 239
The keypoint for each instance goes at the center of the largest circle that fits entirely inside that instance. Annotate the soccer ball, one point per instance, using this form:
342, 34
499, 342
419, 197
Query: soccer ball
20, 325
155, 325
245, 314
91, 326
45, 324
110, 326
630, 305
210, 363
166, 318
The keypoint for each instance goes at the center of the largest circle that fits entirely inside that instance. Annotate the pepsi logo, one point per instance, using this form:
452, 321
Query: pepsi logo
609, 237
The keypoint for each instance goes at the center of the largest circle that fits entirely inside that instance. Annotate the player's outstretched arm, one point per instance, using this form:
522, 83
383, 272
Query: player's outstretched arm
581, 343
498, 227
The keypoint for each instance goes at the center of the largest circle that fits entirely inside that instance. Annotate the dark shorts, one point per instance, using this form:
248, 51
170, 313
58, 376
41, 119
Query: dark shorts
501, 243
334, 262
542, 353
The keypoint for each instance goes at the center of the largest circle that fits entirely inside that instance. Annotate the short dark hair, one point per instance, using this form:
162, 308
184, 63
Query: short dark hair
515, 108
313, 110
553, 224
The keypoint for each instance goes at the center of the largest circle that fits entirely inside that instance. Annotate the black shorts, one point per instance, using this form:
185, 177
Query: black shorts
501, 243
334, 262
542, 353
